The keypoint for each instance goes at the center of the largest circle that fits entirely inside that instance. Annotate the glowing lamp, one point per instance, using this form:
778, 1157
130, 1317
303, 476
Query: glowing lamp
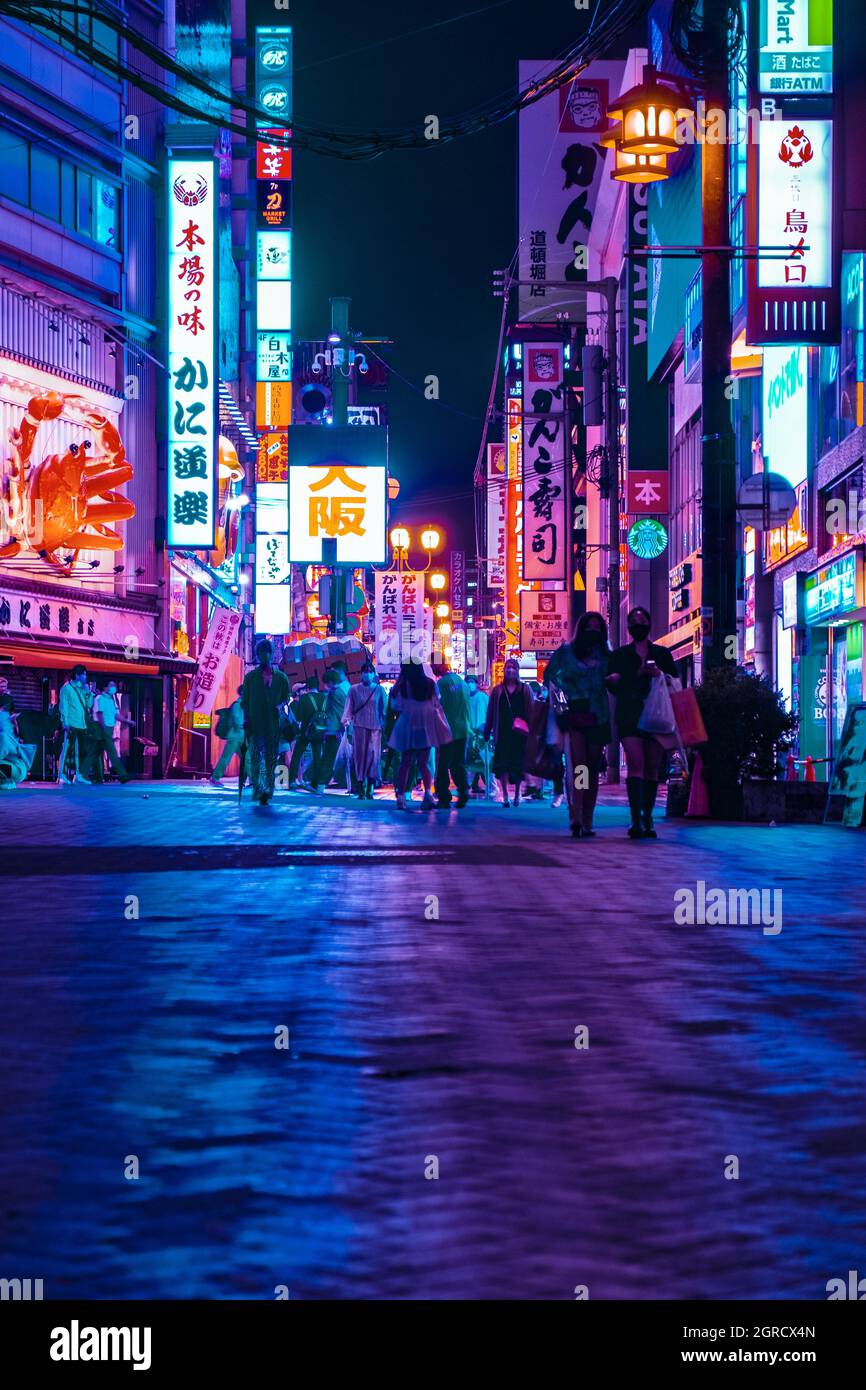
639, 168
438, 580
431, 538
445, 629
400, 538
442, 610
648, 117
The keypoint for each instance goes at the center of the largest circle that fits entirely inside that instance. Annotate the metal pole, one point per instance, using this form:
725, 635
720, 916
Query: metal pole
611, 432
718, 465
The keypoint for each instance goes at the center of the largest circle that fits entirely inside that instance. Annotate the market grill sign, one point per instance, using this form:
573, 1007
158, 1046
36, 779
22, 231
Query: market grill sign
193, 419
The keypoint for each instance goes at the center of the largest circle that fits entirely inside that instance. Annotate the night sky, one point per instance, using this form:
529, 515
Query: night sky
413, 237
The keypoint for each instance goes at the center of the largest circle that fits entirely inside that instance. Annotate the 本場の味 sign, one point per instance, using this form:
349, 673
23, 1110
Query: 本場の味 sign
544, 456
192, 387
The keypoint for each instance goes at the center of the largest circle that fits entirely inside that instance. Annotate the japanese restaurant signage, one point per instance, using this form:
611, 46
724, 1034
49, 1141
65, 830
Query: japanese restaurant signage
192, 369
544, 462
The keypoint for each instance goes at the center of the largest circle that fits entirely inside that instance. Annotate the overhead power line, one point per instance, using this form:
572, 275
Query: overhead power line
305, 134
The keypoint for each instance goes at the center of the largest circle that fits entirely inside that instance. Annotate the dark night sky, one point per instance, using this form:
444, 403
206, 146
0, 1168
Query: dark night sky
413, 237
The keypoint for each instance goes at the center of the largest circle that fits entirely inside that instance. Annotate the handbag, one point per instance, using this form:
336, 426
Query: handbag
687, 713
657, 715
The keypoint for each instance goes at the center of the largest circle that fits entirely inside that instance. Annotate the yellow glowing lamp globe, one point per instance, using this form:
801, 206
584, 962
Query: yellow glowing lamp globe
431, 538
442, 610
400, 538
648, 117
639, 168
445, 629
438, 580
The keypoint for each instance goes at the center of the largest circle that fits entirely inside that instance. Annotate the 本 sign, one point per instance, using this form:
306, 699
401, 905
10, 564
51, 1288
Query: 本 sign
648, 492
218, 643
544, 461
341, 502
192, 304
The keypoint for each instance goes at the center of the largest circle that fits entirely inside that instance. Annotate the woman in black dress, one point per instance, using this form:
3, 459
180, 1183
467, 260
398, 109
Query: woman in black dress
508, 715
632, 669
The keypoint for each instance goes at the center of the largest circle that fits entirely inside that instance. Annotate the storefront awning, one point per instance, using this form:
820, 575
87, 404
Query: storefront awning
64, 659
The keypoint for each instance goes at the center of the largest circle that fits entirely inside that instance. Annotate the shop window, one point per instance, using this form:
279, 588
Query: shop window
45, 183
67, 195
14, 168
84, 202
106, 207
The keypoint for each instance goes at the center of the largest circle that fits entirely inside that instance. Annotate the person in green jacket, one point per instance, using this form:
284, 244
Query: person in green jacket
451, 757
264, 694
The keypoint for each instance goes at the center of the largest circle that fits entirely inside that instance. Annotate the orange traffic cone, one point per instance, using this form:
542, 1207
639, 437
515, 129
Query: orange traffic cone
810, 770
790, 769
699, 799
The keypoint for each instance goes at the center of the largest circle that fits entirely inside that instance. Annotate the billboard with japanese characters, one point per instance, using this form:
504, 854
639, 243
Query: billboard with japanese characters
338, 491
193, 422
793, 285
560, 167
544, 461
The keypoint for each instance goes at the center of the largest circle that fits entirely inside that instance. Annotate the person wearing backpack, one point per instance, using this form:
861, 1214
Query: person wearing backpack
230, 727
310, 715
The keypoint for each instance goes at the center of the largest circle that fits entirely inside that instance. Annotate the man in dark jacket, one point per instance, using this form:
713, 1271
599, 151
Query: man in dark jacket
264, 694
451, 757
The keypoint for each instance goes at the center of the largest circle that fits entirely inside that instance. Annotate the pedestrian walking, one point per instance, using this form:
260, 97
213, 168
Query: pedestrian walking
451, 757
507, 721
337, 689
632, 669
364, 711
76, 701
421, 725
477, 754
309, 713
106, 718
578, 670
230, 727
15, 757
264, 695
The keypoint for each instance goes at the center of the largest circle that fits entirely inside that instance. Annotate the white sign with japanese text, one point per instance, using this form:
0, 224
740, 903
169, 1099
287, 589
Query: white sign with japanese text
400, 630
193, 270
795, 204
544, 461
218, 644
342, 502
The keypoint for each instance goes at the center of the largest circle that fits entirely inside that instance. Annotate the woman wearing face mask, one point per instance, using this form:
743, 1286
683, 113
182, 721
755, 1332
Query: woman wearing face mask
632, 668
508, 715
579, 669
365, 711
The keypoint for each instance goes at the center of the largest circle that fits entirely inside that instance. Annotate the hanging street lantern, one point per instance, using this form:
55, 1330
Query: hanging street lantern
645, 133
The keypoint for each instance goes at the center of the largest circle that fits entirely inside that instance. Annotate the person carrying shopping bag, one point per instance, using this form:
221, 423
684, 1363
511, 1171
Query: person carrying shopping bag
633, 670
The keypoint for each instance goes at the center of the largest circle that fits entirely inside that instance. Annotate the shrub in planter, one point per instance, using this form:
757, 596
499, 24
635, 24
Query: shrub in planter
747, 727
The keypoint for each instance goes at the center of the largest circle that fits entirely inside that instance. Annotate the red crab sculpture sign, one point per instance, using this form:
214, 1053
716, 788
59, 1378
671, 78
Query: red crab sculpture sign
64, 504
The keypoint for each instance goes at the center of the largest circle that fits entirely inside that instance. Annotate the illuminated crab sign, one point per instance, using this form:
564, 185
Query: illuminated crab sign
62, 504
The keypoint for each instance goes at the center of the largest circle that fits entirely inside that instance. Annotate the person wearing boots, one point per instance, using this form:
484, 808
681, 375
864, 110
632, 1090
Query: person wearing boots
632, 668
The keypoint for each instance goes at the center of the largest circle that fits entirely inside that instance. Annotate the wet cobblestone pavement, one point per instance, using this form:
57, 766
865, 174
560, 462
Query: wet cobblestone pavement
414, 1038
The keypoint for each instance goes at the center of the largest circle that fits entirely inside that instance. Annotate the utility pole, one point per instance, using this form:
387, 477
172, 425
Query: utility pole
339, 339
718, 463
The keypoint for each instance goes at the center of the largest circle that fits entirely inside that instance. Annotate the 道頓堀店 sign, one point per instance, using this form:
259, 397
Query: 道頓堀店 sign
192, 305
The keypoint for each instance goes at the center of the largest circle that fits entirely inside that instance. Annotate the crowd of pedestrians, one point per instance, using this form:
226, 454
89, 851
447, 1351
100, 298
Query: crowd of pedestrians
444, 733
86, 724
